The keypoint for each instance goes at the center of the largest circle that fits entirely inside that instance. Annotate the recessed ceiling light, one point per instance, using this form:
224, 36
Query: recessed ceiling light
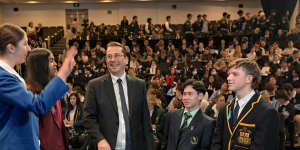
105, 1
32, 2
70, 2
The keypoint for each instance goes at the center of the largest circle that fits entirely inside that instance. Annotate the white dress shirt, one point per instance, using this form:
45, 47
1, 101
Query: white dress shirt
214, 108
72, 113
243, 101
121, 138
167, 25
289, 51
205, 26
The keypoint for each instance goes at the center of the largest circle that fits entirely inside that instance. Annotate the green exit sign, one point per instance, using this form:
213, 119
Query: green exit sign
76, 4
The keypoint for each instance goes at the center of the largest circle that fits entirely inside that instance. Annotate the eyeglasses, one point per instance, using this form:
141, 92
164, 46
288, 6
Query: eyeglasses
116, 56
187, 93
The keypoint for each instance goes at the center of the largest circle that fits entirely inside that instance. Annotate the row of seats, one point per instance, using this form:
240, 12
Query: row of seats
51, 34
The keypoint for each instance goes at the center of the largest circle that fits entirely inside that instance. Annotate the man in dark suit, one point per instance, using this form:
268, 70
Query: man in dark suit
248, 121
189, 129
116, 114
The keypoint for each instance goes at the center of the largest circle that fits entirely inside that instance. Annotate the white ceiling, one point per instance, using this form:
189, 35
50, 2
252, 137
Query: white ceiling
97, 1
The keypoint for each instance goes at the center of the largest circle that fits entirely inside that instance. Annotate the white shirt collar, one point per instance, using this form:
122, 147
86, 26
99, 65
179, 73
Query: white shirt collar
243, 101
9, 69
214, 108
115, 78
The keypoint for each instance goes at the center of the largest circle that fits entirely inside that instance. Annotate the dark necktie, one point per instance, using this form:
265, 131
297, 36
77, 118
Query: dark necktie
281, 108
125, 114
187, 115
235, 112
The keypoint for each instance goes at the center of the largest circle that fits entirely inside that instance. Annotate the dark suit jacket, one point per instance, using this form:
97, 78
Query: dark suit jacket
101, 113
257, 127
197, 136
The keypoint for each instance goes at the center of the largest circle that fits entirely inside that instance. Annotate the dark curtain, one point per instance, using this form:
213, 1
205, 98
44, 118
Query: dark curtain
280, 6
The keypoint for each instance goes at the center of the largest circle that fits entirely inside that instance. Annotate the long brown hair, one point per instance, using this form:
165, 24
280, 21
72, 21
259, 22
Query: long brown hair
37, 69
70, 106
152, 98
10, 34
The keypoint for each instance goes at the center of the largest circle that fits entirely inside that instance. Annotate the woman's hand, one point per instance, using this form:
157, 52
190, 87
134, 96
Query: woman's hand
68, 63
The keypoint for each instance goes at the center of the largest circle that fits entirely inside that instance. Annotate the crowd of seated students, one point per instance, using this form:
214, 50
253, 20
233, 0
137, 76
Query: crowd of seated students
166, 63
43, 36
35, 35
199, 27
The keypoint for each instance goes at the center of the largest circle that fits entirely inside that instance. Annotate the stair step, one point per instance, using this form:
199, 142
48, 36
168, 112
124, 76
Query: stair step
59, 45
63, 42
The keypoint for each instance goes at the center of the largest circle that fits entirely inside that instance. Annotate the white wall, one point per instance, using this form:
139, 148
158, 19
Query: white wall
54, 14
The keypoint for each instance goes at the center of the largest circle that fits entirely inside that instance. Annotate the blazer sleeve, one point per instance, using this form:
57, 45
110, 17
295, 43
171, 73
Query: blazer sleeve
147, 123
79, 121
14, 93
160, 124
207, 135
219, 131
164, 140
90, 114
267, 131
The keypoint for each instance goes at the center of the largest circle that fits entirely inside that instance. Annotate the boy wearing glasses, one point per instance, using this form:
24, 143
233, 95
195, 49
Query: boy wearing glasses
189, 128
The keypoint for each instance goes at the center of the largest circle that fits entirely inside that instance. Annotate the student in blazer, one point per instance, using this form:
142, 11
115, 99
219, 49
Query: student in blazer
248, 121
19, 108
40, 69
193, 133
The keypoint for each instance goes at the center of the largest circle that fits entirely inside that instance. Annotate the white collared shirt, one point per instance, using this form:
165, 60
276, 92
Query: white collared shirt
214, 108
72, 114
151, 112
167, 25
243, 101
121, 138
11, 70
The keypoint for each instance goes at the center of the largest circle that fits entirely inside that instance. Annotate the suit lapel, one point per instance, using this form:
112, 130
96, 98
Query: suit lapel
108, 86
177, 123
231, 111
54, 118
195, 123
246, 108
130, 90
154, 114
229, 115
